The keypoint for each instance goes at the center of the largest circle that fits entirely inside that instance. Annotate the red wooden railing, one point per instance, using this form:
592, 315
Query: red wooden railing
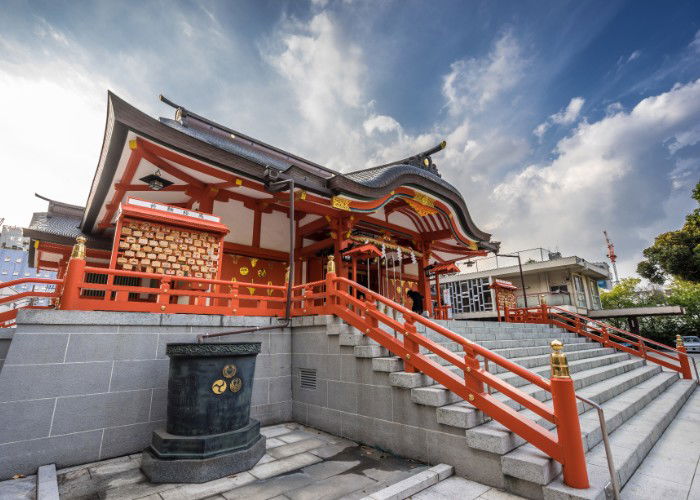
564, 446
7, 318
606, 334
100, 289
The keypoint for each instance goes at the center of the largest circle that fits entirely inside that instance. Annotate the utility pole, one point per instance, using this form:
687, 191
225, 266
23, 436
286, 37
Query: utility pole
520, 268
611, 256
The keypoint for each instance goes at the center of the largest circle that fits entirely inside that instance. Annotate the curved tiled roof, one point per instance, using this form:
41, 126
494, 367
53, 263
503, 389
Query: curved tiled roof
229, 150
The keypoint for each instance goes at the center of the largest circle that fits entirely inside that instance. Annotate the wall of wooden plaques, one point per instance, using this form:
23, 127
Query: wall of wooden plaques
156, 248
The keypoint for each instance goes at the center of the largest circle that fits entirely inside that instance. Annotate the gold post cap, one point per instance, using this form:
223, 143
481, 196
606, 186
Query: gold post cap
557, 360
79, 248
330, 267
679, 341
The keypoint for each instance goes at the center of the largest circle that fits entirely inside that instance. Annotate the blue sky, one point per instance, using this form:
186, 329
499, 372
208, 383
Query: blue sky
562, 118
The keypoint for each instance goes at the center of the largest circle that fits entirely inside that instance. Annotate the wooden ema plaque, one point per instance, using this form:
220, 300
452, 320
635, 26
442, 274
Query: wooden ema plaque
157, 238
155, 248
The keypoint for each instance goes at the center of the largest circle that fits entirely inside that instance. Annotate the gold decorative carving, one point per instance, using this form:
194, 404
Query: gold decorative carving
421, 208
253, 262
251, 289
424, 199
340, 203
218, 387
236, 384
229, 371
262, 273
244, 271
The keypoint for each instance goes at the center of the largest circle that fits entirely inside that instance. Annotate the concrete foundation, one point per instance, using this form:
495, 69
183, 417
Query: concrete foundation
81, 386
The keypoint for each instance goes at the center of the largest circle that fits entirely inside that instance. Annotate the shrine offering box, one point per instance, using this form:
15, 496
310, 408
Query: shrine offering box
153, 237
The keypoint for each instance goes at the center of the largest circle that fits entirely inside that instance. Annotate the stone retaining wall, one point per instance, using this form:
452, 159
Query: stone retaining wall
78, 387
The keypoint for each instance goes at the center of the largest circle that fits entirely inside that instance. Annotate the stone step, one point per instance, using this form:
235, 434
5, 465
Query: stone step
395, 364
630, 444
501, 335
589, 360
543, 359
514, 352
575, 366
581, 380
430, 396
531, 465
647, 381
466, 416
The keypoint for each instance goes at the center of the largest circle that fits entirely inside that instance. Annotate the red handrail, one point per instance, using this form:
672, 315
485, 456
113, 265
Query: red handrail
7, 318
565, 446
605, 333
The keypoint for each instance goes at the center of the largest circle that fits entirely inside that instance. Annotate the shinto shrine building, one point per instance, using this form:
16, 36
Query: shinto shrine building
191, 199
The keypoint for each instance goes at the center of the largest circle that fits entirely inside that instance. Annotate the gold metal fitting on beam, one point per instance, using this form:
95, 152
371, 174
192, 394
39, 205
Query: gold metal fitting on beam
330, 267
557, 360
471, 397
79, 248
679, 341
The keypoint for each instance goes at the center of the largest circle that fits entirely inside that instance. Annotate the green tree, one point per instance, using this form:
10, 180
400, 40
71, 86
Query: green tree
663, 329
676, 253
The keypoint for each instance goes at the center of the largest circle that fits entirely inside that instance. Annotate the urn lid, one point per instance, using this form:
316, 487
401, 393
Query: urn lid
212, 350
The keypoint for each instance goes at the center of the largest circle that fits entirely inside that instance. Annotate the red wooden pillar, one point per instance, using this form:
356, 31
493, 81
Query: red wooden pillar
568, 425
75, 274
438, 312
424, 282
685, 363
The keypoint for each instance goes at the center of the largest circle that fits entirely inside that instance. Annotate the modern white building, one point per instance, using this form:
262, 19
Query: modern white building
570, 282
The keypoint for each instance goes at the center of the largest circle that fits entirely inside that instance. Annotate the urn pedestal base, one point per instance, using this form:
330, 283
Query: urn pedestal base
209, 433
201, 470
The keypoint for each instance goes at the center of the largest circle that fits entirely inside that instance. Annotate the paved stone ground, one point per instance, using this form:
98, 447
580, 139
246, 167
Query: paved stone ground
458, 488
301, 463
671, 470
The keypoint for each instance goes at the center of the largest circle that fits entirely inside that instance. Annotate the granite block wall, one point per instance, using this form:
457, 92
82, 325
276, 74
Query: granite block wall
352, 400
81, 386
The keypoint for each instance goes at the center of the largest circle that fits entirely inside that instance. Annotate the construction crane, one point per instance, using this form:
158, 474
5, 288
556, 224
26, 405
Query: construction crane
611, 255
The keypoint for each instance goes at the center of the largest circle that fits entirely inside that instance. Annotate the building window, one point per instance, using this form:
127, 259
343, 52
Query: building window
580, 292
595, 295
468, 296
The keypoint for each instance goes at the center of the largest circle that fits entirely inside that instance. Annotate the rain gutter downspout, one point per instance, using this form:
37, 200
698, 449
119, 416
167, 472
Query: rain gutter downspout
274, 186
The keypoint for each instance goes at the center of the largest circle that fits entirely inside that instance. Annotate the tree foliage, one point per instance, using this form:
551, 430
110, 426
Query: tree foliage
675, 253
686, 294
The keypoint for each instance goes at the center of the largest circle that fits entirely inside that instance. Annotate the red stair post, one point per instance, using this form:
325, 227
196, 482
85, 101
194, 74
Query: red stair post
568, 425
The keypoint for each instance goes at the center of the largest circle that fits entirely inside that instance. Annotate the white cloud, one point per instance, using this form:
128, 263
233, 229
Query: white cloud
695, 44
565, 116
568, 115
634, 55
380, 123
326, 77
615, 173
474, 83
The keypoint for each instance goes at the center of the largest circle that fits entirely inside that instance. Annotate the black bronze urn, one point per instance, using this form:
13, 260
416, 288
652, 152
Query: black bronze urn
209, 433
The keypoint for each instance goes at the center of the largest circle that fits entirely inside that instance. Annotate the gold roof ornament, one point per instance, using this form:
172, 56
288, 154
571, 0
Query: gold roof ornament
557, 360
330, 267
79, 248
340, 203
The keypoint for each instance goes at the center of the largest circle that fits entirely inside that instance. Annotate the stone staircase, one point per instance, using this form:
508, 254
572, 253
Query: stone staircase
639, 399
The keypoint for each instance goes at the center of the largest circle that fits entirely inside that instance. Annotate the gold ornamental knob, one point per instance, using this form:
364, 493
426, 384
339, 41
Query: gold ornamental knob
679, 341
557, 360
79, 248
330, 267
